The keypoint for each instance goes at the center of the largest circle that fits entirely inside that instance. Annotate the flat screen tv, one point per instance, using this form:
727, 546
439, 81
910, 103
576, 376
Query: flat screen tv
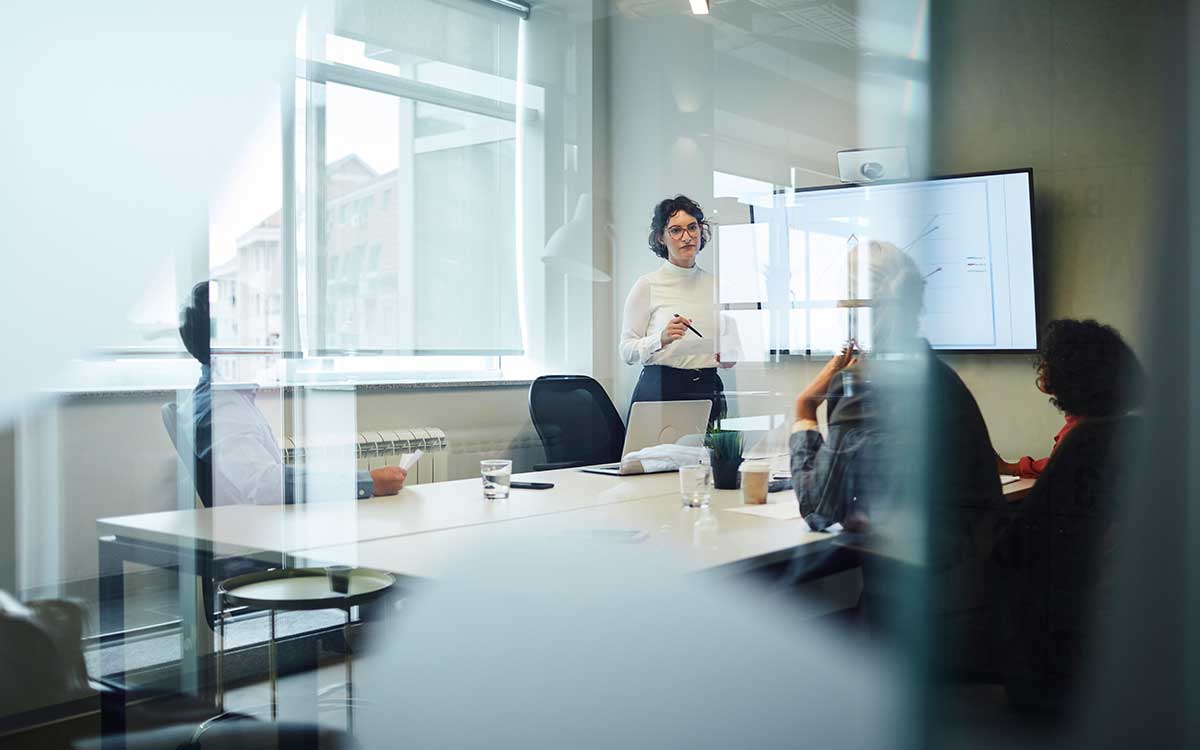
971, 235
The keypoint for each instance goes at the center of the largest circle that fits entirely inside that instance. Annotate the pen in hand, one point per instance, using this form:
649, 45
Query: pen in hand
689, 326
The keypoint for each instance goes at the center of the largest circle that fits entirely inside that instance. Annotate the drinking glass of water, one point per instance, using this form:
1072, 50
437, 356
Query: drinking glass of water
497, 473
695, 485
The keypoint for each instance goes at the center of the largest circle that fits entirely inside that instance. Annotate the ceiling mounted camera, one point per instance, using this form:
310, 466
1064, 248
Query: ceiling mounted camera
873, 164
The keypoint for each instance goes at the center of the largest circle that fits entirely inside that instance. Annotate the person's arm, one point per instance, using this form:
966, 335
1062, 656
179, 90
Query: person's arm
245, 468
387, 480
636, 346
639, 346
817, 475
248, 467
294, 476
808, 476
366, 485
814, 393
1029, 467
822, 477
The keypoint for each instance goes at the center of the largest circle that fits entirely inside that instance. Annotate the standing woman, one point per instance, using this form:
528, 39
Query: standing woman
671, 326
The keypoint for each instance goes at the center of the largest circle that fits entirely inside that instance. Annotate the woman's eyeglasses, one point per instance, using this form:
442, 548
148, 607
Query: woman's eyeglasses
676, 232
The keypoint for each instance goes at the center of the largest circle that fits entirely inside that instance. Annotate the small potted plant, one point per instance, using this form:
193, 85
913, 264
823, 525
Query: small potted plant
725, 455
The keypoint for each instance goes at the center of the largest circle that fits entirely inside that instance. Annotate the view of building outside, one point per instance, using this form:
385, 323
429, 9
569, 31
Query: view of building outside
361, 283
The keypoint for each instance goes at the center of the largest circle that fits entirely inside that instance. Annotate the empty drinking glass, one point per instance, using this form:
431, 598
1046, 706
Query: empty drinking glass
497, 473
695, 485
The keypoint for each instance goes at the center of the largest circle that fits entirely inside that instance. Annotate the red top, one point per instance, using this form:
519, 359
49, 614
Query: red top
1029, 467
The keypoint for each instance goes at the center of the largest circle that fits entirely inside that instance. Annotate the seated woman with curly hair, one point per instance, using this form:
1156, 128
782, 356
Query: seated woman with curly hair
1088, 371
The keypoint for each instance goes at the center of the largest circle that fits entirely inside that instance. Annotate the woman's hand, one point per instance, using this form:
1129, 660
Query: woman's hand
674, 330
725, 365
1004, 467
814, 394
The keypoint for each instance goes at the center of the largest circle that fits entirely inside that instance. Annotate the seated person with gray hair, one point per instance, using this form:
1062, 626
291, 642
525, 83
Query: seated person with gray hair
237, 459
907, 466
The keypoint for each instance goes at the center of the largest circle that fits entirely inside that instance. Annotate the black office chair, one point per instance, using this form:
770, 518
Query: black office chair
1051, 564
42, 642
576, 421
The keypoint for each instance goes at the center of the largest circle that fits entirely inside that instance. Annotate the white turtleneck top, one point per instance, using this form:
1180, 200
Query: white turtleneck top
654, 299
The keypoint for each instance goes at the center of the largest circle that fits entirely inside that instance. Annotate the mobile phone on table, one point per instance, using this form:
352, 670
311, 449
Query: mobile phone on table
531, 485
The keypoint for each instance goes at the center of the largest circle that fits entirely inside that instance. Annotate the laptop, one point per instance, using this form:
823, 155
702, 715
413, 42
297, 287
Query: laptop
654, 423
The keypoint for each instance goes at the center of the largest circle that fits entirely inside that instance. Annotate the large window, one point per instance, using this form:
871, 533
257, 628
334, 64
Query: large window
376, 209
419, 247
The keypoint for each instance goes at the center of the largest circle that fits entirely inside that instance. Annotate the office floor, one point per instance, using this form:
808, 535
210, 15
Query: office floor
973, 716
297, 694
145, 609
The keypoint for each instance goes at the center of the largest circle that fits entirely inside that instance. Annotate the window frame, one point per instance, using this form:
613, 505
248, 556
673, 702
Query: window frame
316, 73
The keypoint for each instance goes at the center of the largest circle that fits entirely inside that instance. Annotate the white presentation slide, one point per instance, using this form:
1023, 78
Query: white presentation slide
970, 236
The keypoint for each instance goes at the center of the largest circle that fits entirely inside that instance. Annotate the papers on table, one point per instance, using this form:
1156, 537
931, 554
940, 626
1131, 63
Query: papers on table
785, 511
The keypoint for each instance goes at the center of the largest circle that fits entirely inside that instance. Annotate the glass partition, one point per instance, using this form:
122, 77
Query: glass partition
834, 356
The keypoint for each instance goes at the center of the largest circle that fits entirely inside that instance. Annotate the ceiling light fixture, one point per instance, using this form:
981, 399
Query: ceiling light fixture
699, 7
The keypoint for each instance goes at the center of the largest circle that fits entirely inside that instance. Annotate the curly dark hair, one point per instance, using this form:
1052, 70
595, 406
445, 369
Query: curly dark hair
663, 213
1088, 369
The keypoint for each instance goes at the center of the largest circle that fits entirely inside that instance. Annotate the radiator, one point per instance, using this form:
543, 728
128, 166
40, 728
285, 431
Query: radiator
378, 448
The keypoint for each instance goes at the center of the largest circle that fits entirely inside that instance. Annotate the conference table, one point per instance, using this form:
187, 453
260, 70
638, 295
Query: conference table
422, 531
428, 531
417, 509
415, 532
722, 536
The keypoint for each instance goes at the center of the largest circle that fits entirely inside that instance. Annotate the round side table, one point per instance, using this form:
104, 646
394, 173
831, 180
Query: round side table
296, 589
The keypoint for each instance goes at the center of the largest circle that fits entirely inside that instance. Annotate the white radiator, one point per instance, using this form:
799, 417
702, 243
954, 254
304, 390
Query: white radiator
378, 448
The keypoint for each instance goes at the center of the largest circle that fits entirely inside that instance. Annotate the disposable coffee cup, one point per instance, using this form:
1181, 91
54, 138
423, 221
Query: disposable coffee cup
339, 578
756, 476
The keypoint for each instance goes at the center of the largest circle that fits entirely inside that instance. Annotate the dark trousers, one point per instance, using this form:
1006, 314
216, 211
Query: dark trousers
662, 383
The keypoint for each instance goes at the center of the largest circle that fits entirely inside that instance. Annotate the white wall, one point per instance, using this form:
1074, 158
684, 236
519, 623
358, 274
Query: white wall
1071, 91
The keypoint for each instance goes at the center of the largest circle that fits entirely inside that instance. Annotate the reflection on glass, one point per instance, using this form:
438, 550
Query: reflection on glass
397, 245
744, 262
244, 243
